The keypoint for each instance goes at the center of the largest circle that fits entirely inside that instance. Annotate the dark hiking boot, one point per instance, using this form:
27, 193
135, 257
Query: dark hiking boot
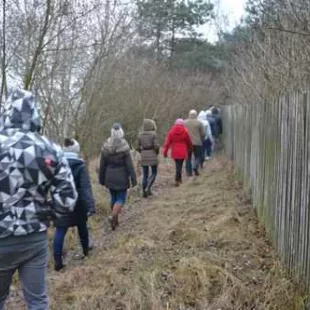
177, 183
86, 252
145, 194
196, 171
59, 263
117, 220
149, 192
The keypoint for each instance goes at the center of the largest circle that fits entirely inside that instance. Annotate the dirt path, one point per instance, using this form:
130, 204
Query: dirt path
194, 247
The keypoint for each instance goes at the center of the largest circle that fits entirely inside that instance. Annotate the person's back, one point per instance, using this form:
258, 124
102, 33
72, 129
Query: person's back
213, 123
148, 147
31, 168
116, 170
114, 173
179, 141
208, 141
195, 129
197, 134
202, 117
217, 117
85, 204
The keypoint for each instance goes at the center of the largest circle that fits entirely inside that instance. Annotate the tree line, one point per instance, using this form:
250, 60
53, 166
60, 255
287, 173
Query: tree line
93, 62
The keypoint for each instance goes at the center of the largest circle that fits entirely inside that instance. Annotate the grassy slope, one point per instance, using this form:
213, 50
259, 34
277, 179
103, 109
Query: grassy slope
195, 247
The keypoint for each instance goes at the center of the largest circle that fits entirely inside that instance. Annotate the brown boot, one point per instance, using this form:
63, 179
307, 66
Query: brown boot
115, 214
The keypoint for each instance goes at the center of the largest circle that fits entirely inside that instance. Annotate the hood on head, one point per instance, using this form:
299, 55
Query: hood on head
215, 111
20, 111
71, 146
113, 146
149, 125
178, 129
202, 116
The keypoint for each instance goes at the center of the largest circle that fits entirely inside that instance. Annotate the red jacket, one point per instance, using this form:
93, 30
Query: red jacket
179, 141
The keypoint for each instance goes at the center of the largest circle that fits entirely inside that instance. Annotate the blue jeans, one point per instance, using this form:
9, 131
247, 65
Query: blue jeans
207, 147
60, 235
148, 182
197, 152
118, 197
28, 256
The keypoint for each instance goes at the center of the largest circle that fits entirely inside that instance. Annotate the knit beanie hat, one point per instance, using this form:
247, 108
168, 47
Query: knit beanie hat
117, 131
71, 146
179, 121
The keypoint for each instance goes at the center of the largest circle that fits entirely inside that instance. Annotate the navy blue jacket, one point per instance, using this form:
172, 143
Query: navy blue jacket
213, 125
85, 202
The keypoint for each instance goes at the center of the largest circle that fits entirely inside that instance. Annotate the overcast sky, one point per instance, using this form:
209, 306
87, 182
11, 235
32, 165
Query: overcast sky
230, 12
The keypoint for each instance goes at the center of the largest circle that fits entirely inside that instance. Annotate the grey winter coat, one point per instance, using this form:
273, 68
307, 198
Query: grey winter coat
116, 170
196, 131
148, 144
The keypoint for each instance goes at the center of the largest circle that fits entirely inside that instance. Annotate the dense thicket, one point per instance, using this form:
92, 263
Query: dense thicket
269, 52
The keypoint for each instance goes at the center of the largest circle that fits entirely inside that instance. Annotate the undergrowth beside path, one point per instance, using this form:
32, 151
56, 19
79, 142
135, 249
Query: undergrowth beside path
197, 247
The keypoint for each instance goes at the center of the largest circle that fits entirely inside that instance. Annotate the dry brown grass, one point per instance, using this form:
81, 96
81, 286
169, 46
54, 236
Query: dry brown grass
195, 247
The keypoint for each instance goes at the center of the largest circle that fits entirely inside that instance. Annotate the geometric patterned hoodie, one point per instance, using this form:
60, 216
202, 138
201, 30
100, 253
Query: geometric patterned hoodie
32, 171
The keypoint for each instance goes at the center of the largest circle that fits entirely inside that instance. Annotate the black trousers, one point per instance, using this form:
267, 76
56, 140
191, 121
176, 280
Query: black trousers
178, 169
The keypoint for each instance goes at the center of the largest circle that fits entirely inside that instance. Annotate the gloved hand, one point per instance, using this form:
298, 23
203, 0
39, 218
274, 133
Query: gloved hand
46, 215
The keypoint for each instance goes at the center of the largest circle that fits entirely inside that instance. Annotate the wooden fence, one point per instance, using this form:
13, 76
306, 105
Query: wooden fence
270, 145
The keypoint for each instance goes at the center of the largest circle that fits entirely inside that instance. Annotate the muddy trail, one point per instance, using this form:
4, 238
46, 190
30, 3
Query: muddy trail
196, 247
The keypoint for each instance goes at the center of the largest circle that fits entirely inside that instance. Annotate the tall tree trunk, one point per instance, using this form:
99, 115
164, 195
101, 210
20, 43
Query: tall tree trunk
172, 29
157, 43
29, 73
3, 91
172, 42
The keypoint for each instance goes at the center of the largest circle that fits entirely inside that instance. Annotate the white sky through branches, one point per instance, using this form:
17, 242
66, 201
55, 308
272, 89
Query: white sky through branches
228, 15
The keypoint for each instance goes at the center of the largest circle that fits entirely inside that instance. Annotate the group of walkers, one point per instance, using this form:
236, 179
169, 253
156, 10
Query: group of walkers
191, 140
42, 183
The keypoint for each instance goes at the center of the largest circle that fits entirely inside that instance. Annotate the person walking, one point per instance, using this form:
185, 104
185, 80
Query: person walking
116, 171
32, 169
85, 205
197, 134
208, 140
214, 132
179, 141
218, 120
148, 147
